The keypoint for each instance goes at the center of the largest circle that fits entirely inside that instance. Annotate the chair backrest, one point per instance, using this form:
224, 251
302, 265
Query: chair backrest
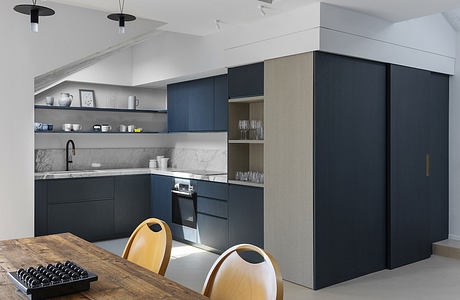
148, 248
231, 277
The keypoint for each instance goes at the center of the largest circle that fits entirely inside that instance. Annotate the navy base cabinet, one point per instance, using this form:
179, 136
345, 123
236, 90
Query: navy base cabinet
93, 208
245, 215
131, 202
161, 200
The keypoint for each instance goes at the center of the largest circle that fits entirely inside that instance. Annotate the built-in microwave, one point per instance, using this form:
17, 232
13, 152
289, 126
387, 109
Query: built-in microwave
184, 203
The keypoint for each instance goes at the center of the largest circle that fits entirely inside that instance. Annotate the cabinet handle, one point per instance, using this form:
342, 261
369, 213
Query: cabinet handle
428, 165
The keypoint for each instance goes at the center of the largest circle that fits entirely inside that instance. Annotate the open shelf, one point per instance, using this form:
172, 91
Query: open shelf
246, 141
100, 109
256, 99
98, 132
247, 183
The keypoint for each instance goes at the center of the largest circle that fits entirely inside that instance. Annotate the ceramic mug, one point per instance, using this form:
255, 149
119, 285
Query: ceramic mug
38, 126
123, 128
76, 127
45, 127
133, 102
164, 163
67, 127
50, 101
106, 128
131, 128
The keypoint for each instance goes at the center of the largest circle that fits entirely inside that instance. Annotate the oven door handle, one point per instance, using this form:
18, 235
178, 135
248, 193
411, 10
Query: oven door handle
188, 194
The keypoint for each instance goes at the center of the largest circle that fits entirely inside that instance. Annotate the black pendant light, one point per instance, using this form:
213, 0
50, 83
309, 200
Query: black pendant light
34, 11
121, 18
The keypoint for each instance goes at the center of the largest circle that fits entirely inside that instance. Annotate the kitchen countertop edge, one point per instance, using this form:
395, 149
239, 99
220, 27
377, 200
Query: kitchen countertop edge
133, 171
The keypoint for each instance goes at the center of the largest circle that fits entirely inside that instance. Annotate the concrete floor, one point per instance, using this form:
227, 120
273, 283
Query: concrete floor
435, 278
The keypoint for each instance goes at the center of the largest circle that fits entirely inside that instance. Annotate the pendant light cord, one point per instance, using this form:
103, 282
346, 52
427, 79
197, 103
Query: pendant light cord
120, 3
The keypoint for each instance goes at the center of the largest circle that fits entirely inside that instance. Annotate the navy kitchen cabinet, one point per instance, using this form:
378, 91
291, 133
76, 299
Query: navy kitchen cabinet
41, 208
418, 187
131, 202
94, 208
177, 107
200, 95
212, 215
221, 103
161, 205
92, 220
245, 215
246, 81
350, 168
199, 105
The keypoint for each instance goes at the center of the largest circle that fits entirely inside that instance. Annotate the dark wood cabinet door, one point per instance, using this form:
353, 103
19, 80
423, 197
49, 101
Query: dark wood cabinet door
178, 103
91, 220
349, 168
409, 221
161, 198
246, 81
131, 202
201, 104
438, 149
245, 215
221, 103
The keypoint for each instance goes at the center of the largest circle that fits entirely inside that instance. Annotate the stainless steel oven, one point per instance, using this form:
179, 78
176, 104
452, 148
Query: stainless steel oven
184, 207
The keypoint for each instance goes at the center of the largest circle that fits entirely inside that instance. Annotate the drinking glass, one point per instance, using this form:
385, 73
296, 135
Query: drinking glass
259, 130
253, 129
243, 125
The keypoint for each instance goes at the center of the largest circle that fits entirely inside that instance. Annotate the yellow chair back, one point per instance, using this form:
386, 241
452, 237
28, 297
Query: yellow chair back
231, 277
150, 249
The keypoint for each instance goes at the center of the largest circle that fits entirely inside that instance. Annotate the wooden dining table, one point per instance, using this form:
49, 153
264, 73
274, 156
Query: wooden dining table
117, 277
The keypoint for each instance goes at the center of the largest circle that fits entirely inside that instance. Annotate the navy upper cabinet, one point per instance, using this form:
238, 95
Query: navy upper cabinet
177, 107
201, 104
221, 103
198, 105
246, 81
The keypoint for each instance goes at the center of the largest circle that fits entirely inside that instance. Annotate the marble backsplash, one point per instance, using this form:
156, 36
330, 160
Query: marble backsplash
47, 160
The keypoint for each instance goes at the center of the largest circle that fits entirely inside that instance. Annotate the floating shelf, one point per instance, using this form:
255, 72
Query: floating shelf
256, 99
245, 141
100, 109
247, 183
98, 132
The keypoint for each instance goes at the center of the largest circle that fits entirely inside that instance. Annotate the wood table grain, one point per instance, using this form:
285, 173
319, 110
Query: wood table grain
118, 278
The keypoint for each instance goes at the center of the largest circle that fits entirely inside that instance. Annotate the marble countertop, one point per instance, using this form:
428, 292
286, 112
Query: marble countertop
119, 172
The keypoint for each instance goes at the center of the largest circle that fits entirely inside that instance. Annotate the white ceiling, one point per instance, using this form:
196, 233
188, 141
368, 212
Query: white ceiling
198, 16
453, 17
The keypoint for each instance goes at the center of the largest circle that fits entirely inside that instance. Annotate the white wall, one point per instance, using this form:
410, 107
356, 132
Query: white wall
115, 70
62, 39
171, 57
426, 43
454, 150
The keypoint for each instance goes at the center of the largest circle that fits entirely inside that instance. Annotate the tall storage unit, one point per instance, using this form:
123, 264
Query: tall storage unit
355, 166
418, 166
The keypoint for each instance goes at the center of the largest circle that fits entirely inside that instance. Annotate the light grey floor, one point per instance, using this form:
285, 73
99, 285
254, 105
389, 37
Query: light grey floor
435, 278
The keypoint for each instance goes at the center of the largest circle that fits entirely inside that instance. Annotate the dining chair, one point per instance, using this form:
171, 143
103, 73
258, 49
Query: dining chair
150, 246
231, 277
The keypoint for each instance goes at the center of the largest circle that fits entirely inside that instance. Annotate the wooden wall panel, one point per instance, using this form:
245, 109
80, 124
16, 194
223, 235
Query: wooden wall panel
288, 207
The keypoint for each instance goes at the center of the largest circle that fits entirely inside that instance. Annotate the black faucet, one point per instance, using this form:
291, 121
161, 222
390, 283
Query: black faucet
67, 159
